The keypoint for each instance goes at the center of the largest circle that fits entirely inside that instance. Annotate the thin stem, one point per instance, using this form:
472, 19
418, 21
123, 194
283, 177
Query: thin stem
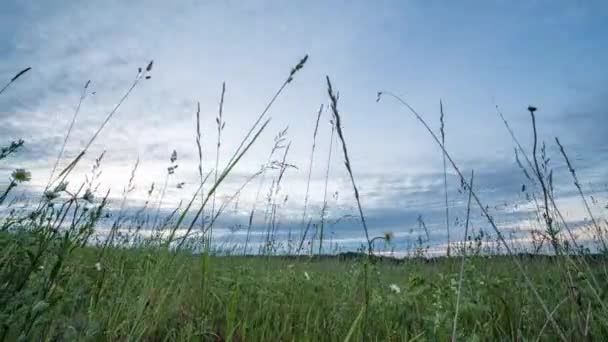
199, 146
140, 75
19, 74
324, 209
577, 184
220, 127
484, 211
310, 164
334, 107
445, 179
548, 220
68, 133
464, 256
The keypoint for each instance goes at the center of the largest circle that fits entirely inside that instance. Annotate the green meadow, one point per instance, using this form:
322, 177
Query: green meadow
60, 281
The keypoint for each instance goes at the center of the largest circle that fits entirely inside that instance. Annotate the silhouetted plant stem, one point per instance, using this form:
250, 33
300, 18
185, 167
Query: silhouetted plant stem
484, 211
220, 127
464, 257
445, 179
199, 146
141, 74
336, 115
68, 133
19, 74
577, 184
310, 164
289, 79
324, 208
546, 215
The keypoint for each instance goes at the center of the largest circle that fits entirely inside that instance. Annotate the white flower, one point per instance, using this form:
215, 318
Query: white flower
41, 267
395, 288
98, 266
306, 275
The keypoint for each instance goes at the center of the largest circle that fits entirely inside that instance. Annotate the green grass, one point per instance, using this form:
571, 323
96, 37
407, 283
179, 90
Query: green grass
55, 285
154, 294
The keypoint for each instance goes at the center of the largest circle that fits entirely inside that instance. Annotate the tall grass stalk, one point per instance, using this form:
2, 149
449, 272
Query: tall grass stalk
68, 133
484, 211
287, 81
219, 120
220, 179
520, 148
141, 74
273, 199
336, 115
170, 171
541, 179
324, 208
13, 147
445, 178
310, 164
279, 140
231, 199
591, 280
15, 78
199, 147
577, 184
462, 262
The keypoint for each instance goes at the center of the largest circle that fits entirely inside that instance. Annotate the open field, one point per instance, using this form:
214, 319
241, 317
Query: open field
155, 277
152, 294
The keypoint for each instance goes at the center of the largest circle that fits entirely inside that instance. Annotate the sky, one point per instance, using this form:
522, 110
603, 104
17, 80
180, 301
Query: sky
471, 55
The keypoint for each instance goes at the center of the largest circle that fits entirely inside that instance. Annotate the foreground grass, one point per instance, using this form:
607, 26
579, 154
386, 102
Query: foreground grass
153, 294
54, 288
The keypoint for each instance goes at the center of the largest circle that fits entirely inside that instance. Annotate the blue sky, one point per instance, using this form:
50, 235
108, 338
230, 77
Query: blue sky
472, 55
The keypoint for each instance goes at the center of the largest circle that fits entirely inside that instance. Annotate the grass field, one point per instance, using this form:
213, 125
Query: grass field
59, 283
152, 294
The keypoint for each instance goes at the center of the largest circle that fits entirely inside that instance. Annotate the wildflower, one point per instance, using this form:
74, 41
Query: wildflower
306, 275
98, 266
21, 175
395, 288
41, 267
173, 156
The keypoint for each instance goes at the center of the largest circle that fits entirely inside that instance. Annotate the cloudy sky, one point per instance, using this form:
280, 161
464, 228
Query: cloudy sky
472, 55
